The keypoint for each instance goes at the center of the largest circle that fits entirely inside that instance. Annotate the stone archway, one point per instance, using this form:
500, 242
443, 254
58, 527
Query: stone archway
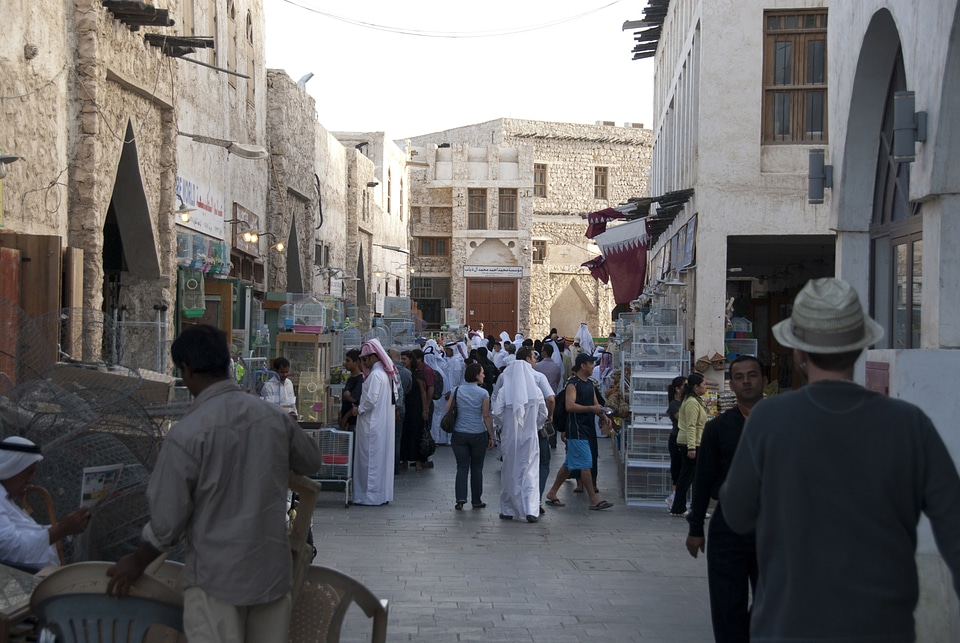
571, 307
129, 244
853, 195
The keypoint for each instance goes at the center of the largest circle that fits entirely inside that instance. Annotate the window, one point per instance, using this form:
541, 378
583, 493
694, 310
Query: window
795, 76
600, 183
433, 247
540, 180
389, 191
477, 209
401, 198
251, 71
231, 42
539, 251
508, 209
896, 238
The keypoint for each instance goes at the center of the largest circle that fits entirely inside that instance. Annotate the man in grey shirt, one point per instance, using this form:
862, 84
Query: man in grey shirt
834, 478
221, 478
550, 369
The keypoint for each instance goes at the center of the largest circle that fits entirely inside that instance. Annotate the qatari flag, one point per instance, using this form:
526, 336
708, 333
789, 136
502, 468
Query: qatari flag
598, 220
598, 268
625, 250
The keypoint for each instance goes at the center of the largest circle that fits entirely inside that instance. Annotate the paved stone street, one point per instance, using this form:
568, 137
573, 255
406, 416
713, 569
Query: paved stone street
576, 575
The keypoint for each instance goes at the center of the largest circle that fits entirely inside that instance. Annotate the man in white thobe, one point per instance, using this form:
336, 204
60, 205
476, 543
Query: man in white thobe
373, 460
521, 410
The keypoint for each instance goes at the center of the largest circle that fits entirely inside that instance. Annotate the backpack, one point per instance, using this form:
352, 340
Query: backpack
560, 416
437, 384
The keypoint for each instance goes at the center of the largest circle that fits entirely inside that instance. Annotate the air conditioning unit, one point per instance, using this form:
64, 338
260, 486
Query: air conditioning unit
607, 123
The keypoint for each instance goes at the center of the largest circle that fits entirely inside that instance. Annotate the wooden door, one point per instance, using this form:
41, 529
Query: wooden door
492, 302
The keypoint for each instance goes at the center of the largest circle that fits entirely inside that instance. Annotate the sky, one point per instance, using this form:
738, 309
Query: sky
550, 60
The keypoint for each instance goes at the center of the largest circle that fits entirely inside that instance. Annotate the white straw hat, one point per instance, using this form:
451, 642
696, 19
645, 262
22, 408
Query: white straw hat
827, 318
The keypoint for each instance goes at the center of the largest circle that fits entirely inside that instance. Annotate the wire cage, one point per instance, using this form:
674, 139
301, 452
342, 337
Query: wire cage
336, 450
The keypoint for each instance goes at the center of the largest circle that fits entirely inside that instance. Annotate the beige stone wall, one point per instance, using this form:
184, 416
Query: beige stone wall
571, 152
35, 115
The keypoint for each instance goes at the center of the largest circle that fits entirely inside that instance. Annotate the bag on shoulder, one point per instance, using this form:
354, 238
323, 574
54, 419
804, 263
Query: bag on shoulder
560, 415
437, 384
449, 419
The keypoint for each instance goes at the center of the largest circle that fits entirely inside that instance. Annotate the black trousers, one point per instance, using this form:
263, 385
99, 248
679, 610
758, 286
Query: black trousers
687, 470
732, 577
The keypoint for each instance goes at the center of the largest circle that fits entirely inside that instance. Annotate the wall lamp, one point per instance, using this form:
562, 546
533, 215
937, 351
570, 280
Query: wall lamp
183, 212
819, 176
5, 160
243, 150
394, 248
372, 184
909, 127
253, 236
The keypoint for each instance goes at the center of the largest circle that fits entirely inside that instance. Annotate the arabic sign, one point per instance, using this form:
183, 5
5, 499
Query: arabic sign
502, 272
208, 203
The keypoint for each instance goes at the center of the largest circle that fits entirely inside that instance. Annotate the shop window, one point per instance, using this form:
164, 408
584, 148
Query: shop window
539, 251
477, 209
896, 234
600, 183
508, 209
435, 247
540, 180
795, 76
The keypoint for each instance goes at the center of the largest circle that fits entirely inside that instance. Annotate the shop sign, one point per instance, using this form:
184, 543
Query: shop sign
207, 216
494, 272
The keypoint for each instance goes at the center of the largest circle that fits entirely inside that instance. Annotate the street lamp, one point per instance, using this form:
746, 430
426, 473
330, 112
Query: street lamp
243, 150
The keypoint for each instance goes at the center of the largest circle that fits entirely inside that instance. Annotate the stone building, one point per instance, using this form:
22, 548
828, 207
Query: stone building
747, 232
497, 222
144, 185
790, 189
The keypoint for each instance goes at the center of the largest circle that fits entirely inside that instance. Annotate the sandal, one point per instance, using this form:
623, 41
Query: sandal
555, 502
603, 504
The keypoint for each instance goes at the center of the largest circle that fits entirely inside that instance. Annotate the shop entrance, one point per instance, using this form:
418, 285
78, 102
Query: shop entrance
492, 302
764, 274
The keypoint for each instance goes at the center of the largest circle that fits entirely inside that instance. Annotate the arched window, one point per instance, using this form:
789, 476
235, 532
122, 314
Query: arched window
896, 236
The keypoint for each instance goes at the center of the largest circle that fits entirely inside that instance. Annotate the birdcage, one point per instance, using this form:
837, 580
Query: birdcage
336, 451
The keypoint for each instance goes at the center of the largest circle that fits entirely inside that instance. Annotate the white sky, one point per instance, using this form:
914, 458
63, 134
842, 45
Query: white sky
579, 71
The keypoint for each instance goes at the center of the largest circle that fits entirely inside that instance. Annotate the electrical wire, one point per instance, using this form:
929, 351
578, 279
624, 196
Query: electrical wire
493, 33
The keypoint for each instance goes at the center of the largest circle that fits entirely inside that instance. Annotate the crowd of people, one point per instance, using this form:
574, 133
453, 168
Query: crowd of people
504, 390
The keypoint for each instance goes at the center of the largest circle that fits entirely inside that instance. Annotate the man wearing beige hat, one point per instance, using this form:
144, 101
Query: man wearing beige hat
833, 477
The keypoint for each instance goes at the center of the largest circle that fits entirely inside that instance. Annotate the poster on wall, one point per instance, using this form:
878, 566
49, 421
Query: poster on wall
207, 204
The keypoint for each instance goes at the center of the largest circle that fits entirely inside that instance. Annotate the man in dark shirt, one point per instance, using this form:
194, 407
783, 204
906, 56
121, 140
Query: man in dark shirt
732, 559
352, 390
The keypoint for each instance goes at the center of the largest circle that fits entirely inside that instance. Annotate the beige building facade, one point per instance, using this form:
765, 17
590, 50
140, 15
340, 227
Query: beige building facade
497, 227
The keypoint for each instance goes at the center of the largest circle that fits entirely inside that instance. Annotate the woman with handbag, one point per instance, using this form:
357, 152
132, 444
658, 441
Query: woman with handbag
472, 434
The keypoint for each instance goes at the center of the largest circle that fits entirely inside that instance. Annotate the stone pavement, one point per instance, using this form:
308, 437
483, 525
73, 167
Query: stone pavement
576, 575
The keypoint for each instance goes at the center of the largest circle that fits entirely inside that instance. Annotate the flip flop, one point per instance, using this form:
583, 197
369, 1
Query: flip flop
603, 504
555, 502
580, 490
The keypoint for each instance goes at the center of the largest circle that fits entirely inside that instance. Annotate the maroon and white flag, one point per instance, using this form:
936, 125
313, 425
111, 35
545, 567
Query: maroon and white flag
625, 249
598, 220
598, 268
